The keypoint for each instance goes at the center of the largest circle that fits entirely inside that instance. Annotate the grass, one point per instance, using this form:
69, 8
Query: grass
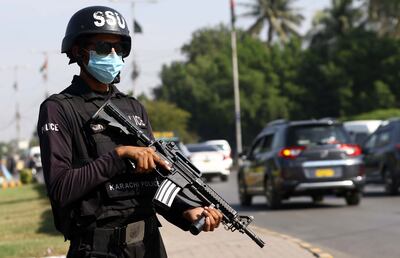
26, 224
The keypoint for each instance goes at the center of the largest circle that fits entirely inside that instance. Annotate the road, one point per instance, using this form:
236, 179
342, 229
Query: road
369, 230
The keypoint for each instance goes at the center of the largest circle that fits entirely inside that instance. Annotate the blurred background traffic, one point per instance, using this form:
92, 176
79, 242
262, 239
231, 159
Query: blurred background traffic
318, 115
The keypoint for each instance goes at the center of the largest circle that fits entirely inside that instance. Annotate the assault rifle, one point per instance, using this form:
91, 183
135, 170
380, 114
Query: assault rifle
183, 175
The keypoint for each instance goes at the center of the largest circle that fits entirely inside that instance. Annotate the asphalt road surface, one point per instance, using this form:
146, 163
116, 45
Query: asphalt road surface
369, 230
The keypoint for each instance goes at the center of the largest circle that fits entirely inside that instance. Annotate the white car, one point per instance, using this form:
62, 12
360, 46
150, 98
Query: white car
359, 130
224, 147
209, 160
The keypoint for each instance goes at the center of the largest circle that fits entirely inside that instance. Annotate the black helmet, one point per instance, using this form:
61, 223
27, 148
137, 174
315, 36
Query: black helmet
95, 20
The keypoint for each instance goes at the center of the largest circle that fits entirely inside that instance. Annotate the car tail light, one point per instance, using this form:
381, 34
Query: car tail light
291, 152
351, 149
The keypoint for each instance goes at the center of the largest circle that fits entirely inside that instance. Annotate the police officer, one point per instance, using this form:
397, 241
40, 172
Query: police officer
101, 201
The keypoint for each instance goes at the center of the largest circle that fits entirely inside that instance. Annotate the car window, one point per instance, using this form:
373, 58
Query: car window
200, 148
267, 143
383, 138
257, 147
305, 135
278, 138
220, 146
370, 142
359, 137
262, 145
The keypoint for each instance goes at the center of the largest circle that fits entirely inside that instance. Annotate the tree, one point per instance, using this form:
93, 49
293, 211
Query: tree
329, 24
380, 114
359, 74
281, 19
166, 116
202, 84
384, 17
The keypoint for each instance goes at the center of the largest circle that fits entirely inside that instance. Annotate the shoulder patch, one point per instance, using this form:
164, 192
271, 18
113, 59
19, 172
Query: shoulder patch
50, 127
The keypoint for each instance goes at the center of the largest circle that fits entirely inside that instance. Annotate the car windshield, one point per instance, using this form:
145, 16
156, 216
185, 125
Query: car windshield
199, 148
316, 135
219, 146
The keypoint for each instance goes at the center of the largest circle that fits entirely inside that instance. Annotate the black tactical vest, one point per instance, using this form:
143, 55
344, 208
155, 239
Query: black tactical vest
123, 199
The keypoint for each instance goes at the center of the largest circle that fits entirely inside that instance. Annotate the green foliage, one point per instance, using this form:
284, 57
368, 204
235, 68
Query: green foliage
277, 15
26, 176
358, 75
343, 70
334, 22
166, 116
379, 114
384, 17
202, 84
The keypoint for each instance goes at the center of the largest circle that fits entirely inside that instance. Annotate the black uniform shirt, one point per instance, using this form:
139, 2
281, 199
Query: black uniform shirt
70, 181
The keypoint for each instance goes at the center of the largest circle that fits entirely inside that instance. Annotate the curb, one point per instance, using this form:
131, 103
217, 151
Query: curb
317, 252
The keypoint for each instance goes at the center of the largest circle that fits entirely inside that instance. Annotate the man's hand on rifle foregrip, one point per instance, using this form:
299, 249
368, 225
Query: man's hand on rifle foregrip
145, 158
213, 217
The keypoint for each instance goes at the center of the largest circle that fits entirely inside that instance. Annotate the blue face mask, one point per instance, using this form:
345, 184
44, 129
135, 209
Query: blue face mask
104, 68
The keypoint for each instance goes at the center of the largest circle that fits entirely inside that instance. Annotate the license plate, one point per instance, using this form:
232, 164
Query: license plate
324, 172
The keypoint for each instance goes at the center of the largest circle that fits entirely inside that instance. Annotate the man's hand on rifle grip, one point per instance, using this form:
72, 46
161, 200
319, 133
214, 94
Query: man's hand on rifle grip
145, 158
213, 217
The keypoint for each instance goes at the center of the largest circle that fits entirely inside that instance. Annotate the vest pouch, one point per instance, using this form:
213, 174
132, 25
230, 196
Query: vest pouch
103, 143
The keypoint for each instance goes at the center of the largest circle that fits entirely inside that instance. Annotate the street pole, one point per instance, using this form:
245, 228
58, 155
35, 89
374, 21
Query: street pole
236, 92
132, 9
133, 56
17, 113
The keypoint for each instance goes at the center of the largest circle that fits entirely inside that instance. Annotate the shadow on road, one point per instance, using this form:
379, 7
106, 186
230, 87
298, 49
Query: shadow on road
377, 191
379, 194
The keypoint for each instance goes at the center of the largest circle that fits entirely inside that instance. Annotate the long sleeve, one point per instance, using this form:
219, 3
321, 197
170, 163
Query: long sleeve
66, 184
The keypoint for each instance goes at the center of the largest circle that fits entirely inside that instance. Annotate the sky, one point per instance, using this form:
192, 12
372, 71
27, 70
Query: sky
32, 28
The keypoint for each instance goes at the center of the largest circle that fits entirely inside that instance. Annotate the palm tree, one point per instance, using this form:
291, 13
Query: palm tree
334, 22
280, 18
385, 16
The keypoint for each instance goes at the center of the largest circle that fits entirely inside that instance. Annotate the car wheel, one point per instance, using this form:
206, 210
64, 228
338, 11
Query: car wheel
224, 178
317, 198
391, 186
353, 198
273, 198
244, 198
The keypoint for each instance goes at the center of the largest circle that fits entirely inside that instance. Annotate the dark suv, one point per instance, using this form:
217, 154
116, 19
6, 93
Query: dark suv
382, 156
293, 158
